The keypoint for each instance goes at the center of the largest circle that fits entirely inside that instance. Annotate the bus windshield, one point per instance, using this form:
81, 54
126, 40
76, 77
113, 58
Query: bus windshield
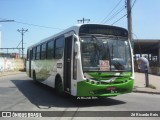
105, 53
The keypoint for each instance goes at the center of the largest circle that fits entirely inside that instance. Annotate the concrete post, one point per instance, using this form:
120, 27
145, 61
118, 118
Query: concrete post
146, 76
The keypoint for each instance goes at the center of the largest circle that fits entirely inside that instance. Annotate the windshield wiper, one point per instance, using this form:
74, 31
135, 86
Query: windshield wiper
118, 65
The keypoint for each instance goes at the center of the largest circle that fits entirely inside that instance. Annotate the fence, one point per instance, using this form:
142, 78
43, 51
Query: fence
154, 67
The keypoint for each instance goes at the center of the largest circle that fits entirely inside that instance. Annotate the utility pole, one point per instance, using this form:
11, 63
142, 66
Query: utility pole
22, 31
83, 20
129, 15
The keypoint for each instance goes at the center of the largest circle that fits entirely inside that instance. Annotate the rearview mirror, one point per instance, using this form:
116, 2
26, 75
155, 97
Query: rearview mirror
77, 47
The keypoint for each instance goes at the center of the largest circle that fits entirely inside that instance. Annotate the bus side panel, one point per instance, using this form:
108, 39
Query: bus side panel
52, 71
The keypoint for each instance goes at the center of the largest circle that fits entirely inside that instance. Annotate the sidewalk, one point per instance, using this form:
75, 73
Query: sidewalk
139, 83
10, 73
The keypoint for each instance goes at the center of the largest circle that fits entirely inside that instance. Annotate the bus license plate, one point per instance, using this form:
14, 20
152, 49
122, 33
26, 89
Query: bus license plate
112, 89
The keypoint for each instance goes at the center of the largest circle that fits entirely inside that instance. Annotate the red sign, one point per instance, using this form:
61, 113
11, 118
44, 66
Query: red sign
104, 65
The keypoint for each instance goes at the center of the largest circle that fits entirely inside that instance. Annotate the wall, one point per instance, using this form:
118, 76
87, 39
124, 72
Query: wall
11, 64
0, 41
154, 70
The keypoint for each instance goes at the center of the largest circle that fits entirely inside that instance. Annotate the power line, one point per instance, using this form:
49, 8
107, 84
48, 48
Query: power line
32, 24
119, 19
37, 25
19, 44
134, 3
125, 14
114, 15
111, 11
6, 20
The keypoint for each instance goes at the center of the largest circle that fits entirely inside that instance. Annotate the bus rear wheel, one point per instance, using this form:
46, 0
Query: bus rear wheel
34, 77
59, 86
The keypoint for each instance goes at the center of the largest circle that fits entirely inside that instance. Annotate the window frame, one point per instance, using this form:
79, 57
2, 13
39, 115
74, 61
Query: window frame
59, 47
50, 54
38, 52
43, 51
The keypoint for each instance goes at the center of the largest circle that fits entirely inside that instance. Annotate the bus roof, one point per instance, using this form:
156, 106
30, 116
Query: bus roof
73, 28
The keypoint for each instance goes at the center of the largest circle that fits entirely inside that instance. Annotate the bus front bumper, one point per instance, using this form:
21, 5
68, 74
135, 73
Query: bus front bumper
85, 88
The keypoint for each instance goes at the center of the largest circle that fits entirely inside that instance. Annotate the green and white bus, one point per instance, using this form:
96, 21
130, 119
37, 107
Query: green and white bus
84, 60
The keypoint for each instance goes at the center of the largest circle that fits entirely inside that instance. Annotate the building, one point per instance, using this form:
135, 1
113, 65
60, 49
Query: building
149, 48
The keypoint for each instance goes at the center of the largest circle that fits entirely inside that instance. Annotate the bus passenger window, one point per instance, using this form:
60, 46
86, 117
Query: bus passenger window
34, 54
43, 51
59, 48
50, 50
38, 53
28, 54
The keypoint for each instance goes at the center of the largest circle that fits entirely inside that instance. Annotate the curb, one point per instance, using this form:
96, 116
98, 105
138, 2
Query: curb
149, 92
13, 73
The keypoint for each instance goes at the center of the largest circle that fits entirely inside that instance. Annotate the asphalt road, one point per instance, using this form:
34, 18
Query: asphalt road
20, 93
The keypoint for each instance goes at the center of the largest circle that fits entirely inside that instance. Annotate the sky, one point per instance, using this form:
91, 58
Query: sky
53, 16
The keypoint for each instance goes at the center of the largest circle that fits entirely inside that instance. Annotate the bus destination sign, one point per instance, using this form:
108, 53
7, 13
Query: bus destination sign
105, 30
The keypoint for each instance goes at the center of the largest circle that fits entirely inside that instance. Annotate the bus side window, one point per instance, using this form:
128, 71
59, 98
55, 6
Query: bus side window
34, 53
28, 54
38, 53
43, 51
50, 49
59, 47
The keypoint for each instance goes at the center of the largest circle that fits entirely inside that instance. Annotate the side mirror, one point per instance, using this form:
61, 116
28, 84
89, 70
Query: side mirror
77, 47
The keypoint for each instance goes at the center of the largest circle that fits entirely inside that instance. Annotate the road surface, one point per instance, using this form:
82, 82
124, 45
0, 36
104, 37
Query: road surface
19, 93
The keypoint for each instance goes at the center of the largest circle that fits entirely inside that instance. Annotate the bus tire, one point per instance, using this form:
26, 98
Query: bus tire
59, 86
34, 77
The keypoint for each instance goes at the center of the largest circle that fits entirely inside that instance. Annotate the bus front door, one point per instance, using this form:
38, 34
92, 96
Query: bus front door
67, 64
